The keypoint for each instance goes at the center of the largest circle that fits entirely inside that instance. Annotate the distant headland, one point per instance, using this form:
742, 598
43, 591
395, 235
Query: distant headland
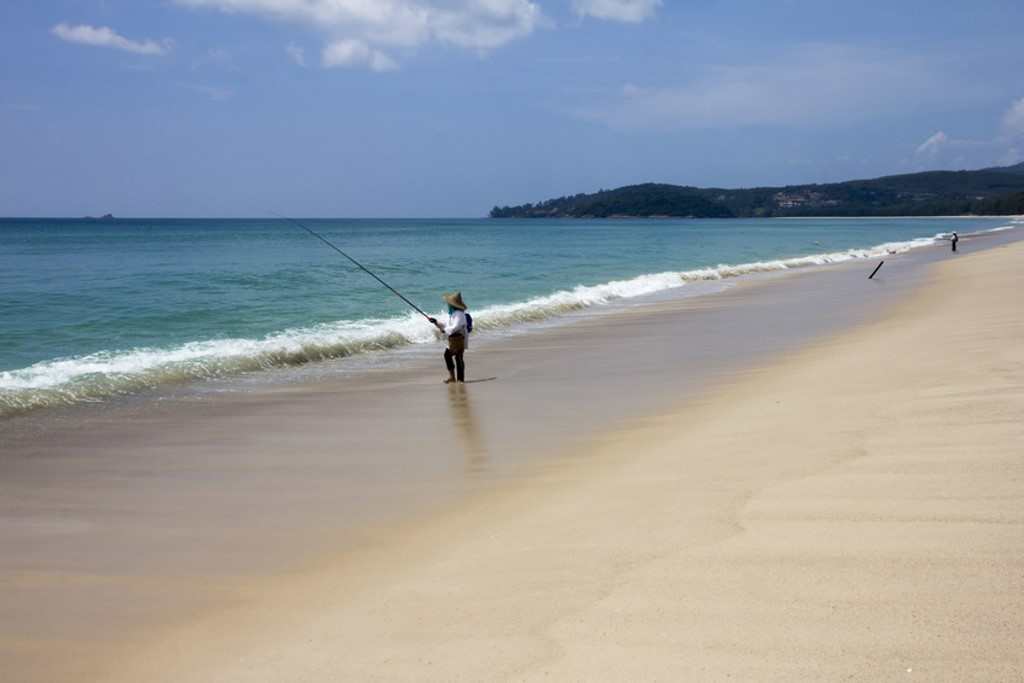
995, 191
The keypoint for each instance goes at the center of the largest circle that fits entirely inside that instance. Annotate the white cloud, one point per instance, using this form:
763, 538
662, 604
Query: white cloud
1013, 119
816, 84
356, 53
357, 28
946, 151
102, 36
933, 145
617, 10
296, 54
1002, 149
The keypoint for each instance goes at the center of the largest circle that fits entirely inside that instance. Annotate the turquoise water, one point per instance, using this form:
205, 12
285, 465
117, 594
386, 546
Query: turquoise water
92, 310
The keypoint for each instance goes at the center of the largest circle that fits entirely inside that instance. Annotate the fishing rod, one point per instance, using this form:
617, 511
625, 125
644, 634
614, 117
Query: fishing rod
360, 265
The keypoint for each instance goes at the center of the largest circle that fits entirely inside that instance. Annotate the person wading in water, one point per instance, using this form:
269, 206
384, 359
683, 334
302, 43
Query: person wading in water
457, 330
954, 240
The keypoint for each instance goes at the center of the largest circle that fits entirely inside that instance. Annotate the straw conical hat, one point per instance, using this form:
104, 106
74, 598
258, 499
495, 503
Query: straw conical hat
455, 299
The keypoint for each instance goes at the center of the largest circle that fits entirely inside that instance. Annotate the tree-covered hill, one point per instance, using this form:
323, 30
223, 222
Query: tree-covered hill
990, 191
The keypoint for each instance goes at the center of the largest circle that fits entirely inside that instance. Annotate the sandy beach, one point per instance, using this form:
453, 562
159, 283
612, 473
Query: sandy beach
806, 476
850, 511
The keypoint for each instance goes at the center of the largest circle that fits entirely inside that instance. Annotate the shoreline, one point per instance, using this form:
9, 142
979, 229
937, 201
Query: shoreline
68, 382
675, 546
203, 504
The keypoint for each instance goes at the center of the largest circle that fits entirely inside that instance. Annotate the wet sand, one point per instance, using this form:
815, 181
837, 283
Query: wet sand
301, 533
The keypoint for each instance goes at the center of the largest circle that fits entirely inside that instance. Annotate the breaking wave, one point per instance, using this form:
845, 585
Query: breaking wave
99, 376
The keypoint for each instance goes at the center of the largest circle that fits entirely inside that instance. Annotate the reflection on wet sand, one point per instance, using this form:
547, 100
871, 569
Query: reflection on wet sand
467, 428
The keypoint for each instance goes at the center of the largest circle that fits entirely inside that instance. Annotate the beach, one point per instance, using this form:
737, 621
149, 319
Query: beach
834, 494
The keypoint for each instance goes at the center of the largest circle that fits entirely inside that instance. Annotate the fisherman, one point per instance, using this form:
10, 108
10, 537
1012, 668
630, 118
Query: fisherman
457, 331
954, 240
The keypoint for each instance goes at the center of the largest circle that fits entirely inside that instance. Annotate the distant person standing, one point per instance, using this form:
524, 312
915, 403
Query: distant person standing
954, 240
460, 324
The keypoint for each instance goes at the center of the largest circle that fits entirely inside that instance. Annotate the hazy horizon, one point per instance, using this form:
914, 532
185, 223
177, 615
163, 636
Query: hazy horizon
444, 108
273, 217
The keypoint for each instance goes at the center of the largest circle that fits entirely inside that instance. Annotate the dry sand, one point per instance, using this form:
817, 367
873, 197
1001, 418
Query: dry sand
852, 511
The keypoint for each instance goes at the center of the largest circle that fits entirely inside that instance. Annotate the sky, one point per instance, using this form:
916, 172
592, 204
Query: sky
445, 108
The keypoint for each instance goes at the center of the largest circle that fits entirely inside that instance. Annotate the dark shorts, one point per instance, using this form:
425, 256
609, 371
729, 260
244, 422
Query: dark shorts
456, 343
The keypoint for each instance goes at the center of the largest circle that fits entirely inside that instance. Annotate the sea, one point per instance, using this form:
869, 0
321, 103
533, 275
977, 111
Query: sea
95, 310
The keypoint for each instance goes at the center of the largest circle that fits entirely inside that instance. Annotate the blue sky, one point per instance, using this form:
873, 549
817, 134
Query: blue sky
447, 107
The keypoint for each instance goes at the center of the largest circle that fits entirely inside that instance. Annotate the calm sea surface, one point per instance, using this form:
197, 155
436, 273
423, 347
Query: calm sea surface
90, 310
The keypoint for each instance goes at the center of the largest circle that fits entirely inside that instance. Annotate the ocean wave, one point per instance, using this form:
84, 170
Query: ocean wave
65, 381
824, 259
98, 376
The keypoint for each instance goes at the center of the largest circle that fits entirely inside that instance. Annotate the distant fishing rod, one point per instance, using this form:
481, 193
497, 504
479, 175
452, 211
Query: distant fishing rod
360, 265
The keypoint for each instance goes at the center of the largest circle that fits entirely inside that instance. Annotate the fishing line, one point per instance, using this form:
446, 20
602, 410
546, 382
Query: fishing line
360, 265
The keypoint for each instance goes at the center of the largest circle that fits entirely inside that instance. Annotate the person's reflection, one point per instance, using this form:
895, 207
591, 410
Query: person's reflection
467, 428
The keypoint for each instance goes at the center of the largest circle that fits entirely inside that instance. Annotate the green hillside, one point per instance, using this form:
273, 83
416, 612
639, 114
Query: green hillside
989, 191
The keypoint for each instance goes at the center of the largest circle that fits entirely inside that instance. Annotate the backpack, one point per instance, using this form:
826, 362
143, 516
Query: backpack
469, 323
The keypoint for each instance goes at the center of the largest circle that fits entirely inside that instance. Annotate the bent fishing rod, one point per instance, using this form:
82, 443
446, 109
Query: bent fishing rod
360, 265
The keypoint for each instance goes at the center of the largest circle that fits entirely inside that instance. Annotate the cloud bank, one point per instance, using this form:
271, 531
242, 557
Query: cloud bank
102, 36
365, 33
633, 11
1003, 149
818, 84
